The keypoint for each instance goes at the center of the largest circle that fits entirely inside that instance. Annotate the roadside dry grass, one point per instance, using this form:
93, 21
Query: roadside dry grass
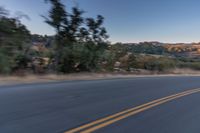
6, 80
185, 71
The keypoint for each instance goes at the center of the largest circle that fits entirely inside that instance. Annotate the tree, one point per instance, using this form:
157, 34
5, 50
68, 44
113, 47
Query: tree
14, 40
75, 36
14, 35
57, 18
76, 20
57, 15
97, 32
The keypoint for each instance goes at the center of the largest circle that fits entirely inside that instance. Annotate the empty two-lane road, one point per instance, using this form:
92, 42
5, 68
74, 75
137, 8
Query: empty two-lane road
132, 105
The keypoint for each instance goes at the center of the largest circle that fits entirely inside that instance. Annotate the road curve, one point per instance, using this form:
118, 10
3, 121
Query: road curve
153, 105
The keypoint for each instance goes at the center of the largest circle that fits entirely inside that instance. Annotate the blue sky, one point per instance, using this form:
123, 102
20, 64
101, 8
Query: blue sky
126, 20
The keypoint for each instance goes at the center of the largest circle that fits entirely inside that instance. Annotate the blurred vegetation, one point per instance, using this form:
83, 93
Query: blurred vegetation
80, 45
14, 40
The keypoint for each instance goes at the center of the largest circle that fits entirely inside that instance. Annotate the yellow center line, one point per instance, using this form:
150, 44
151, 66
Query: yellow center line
93, 126
131, 113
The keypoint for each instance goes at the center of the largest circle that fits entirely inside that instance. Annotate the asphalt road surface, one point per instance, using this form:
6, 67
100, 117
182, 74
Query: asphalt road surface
132, 105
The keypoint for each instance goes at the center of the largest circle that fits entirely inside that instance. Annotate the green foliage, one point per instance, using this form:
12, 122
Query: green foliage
14, 35
57, 15
81, 57
73, 27
147, 48
79, 41
96, 31
5, 66
191, 65
160, 64
14, 39
20, 61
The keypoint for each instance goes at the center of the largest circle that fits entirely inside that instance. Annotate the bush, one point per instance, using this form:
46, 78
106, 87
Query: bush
191, 65
5, 66
160, 64
20, 61
79, 57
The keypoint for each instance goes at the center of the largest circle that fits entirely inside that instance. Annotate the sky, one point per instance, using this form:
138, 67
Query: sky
126, 20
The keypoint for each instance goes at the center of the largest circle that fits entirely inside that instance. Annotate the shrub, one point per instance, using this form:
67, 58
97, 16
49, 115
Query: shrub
5, 66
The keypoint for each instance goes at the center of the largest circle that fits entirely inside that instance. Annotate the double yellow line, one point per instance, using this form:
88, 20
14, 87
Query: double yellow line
98, 124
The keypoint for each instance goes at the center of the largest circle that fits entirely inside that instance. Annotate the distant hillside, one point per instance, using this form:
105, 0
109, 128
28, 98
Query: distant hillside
191, 50
42, 40
188, 50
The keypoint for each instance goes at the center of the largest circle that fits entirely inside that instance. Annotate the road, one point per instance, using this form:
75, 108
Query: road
62, 107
